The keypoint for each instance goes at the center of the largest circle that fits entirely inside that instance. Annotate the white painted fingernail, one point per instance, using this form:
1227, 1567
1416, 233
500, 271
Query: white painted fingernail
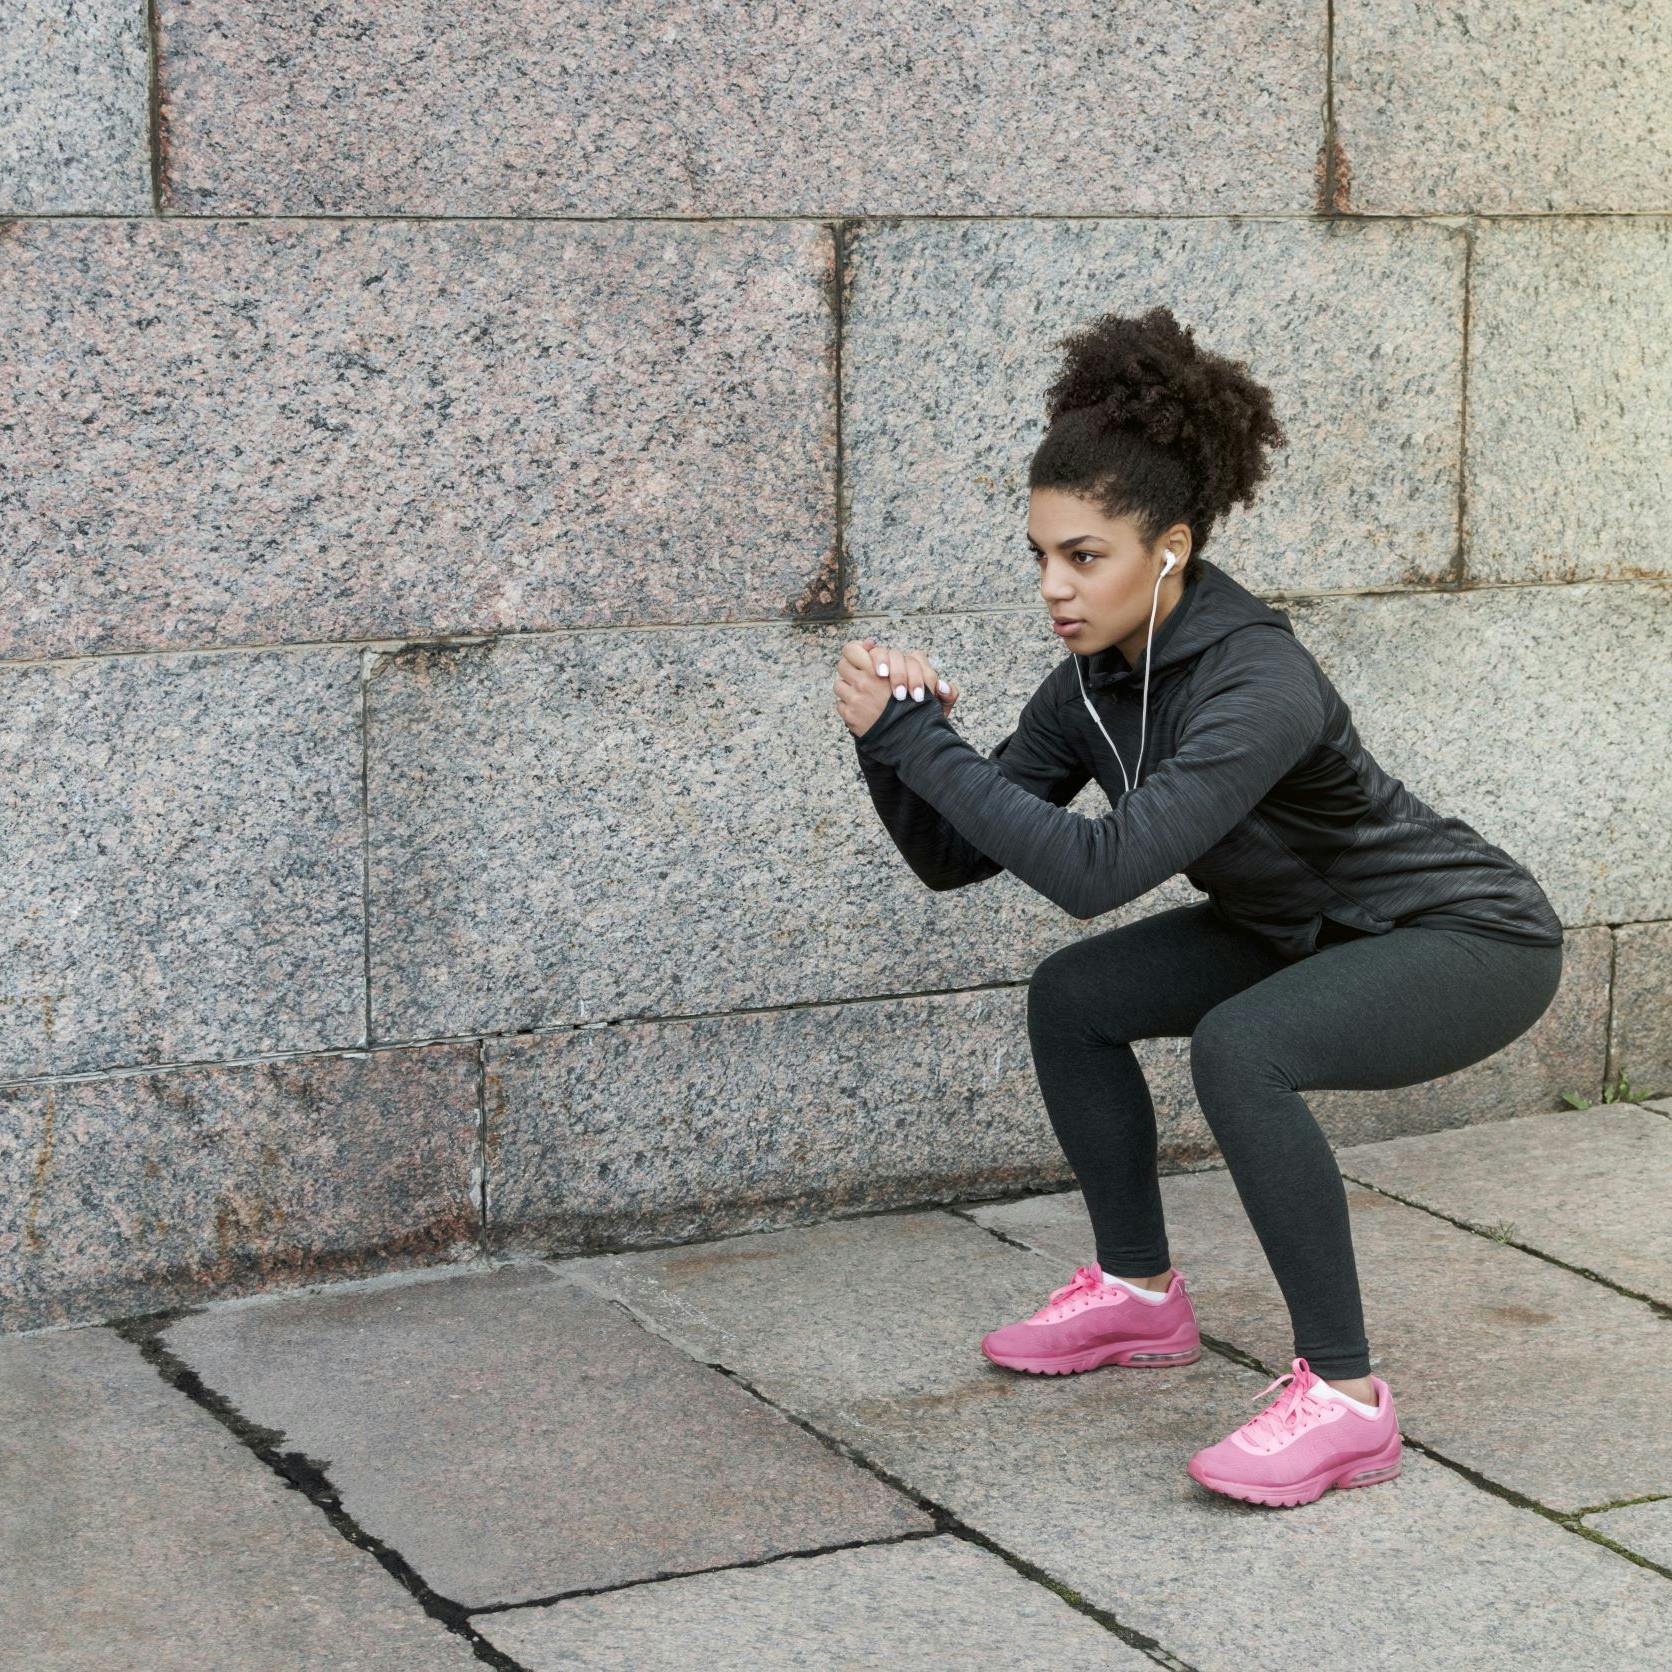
900, 692
882, 669
942, 687
917, 693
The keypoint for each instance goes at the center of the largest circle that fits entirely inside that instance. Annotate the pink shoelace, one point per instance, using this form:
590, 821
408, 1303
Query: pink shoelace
1284, 1413
1084, 1281
1084, 1278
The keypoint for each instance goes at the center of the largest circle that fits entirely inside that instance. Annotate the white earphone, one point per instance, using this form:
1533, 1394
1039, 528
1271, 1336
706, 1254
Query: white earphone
1166, 568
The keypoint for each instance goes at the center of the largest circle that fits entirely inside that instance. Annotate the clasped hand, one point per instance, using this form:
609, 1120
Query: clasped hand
868, 672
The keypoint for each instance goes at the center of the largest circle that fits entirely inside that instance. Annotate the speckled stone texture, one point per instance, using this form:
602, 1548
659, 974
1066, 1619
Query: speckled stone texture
1541, 714
1570, 392
289, 430
497, 1428
668, 1131
1085, 1475
74, 135
940, 1597
1640, 1020
1588, 1187
193, 885
946, 357
154, 1539
1500, 107
1483, 1344
521, 107
149, 1190
592, 826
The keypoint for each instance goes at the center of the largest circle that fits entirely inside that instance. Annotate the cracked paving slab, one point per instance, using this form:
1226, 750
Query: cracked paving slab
155, 1539
515, 1436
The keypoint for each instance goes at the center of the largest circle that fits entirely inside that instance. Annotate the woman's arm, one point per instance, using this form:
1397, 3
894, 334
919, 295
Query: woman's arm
1034, 757
1258, 711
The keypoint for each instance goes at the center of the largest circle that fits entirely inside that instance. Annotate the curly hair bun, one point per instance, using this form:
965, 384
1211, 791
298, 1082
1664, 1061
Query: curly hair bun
1144, 375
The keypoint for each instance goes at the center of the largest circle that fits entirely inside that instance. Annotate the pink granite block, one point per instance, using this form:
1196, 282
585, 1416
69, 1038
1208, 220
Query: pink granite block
1499, 107
236, 432
141, 1191
519, 107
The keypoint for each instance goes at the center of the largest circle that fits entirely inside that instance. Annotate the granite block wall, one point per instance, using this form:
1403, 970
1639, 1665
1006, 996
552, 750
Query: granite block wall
443, 450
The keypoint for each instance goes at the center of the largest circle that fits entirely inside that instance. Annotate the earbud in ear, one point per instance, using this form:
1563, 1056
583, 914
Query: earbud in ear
1172, 558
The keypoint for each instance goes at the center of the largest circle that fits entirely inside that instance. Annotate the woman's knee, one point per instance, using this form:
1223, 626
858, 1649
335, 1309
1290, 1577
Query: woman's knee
1231, 1049
1069, 991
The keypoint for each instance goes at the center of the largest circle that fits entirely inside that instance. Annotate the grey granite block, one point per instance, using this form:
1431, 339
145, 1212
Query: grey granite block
1501, 108
149, 1190
139, 1532
1570, 394
1481, 1343
591, 826
514, 1436
1644, 1529
1085, 1475
1357, 329
511, 107
74, 135
668, 1131
1640, 1022
281, 430
1589, 1187
939, 1599
1480, 703
195, 859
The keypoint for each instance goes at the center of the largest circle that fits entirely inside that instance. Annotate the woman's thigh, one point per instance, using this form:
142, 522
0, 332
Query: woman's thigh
1388, 1010
1151, 979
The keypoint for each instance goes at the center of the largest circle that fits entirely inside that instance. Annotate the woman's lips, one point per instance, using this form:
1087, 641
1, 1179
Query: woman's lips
1063, 628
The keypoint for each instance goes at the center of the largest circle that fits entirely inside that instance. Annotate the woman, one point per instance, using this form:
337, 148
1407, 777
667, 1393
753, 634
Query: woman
1351, 935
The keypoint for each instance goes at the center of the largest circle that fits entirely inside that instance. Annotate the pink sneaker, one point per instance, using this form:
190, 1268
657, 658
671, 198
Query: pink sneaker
1087, 1323
1302, 1444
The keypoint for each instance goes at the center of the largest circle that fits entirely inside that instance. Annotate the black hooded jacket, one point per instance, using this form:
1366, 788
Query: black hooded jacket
1254, 784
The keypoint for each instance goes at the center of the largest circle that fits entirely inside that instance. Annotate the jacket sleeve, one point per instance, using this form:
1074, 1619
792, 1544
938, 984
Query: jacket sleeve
1255, 711
1034, 757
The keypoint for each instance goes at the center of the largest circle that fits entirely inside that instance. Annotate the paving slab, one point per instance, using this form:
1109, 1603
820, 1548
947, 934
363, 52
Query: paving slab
1085, 1476
515, 1437
1644, 1529
879, 1606
153, 1538
1484, 1345
1586, 1186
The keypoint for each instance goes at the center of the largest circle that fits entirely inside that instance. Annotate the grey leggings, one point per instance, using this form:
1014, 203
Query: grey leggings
1374, 1010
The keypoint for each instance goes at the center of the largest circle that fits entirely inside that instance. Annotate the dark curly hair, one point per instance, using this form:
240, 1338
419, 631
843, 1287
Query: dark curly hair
1144, 424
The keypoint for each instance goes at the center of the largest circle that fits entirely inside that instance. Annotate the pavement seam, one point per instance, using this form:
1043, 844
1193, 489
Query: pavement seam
1569, 1520
1659, 1307
299, 1471
946, 1522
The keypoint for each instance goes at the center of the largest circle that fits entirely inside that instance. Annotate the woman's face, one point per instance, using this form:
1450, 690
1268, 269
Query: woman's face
1097, 572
